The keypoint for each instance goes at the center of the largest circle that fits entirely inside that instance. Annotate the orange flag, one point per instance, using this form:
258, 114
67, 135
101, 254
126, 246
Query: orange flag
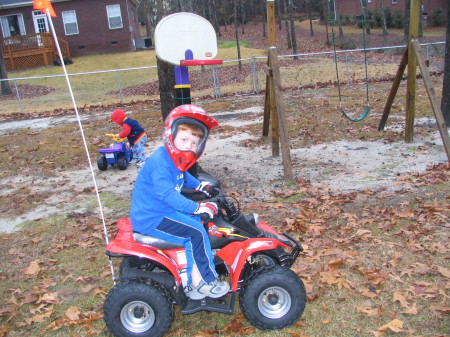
42, 5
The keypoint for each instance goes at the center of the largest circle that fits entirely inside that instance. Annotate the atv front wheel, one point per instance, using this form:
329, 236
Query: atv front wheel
138, 308
273, 297
102, 164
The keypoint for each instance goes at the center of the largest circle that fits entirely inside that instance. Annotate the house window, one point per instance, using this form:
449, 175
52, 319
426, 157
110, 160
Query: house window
70, 22
12, 25
114, 16
394, 2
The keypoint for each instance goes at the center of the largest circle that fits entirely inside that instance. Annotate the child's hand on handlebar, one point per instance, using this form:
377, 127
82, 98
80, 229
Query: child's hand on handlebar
205, 187
209, 208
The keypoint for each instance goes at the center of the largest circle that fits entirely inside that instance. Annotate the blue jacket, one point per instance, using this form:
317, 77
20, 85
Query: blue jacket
157, 190
137, 131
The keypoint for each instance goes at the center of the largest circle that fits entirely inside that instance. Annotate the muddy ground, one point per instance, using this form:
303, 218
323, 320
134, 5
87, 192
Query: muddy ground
242, 165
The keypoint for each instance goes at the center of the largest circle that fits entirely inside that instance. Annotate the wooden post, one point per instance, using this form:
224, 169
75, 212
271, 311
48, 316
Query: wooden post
274, 113
412, 70
440, 121
271, 27
413, 56
271, 24
281, 115
393, 92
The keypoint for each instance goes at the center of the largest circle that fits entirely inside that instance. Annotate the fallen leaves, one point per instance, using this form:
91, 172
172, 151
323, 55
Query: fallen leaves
33, 268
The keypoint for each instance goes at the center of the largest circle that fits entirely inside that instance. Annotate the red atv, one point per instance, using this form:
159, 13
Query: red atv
247, 252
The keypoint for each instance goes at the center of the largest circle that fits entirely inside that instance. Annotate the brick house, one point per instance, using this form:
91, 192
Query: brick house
89, 26
352, 7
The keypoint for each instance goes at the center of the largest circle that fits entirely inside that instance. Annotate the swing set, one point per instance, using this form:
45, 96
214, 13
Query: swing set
363, 26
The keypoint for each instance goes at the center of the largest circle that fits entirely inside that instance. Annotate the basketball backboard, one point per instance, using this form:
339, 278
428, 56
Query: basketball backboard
180, 32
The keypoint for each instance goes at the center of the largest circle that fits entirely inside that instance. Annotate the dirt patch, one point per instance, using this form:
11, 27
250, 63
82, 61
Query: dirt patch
240, 163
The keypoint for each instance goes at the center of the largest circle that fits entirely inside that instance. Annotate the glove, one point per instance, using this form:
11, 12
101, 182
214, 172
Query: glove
209, 208
205, 187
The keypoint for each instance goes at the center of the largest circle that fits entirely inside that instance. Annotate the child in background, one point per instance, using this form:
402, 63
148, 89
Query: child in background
131, 129
160, 210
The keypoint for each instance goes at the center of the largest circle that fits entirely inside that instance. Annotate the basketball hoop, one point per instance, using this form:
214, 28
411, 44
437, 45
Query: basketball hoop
185, 40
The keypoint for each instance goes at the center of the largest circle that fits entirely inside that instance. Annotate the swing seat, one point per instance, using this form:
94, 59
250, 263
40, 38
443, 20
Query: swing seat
360, 118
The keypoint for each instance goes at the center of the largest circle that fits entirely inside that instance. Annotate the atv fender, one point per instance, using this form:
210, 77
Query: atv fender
124, 244
236, 253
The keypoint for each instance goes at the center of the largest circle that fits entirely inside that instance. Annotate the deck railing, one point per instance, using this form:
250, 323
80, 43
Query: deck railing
30, 51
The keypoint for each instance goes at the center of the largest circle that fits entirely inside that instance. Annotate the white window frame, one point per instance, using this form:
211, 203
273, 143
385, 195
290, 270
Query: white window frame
394, 2
5, 28
70, 18
113, 12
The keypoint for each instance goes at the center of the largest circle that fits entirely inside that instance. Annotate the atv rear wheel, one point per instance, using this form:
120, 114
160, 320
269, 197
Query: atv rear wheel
138, 308
273, 297
102, 163
122, 162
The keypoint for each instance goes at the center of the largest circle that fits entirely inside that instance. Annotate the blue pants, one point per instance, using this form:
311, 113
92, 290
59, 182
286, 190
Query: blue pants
189, 232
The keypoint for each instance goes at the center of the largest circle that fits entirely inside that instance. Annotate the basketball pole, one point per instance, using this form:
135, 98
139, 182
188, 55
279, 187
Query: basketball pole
413, 57
274, 112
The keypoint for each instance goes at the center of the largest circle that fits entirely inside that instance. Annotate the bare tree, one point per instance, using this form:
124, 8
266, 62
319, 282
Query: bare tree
6, 89
366, 17
337, 16
264, 18
286, 23
406, 22
293, 37
383, 18
243, 16
325, 18
445, 102
237, 33
309, 4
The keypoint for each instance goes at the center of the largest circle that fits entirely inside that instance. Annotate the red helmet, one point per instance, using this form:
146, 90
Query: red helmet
186, 114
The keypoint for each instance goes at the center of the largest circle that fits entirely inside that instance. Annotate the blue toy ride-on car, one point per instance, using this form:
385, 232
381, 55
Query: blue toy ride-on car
119, 153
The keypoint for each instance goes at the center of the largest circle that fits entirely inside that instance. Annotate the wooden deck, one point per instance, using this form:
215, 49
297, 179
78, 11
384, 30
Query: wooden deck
31, 51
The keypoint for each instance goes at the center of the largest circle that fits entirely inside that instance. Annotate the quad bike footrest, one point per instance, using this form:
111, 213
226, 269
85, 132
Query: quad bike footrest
224, 305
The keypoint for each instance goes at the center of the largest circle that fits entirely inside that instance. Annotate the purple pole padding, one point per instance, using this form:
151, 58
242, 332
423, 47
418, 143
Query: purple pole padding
181, 75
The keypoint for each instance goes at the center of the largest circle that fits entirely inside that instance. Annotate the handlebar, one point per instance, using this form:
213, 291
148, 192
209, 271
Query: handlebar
113, 136
223, 203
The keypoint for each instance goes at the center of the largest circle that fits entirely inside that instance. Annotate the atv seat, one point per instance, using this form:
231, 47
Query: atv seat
155, 242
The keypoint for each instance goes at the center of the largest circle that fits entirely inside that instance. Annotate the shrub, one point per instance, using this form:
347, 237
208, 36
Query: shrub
394, 19
397, 19
437, 18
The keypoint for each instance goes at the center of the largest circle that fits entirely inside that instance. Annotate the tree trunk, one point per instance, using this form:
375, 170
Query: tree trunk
278, 13
264, 18
366, 17
213, 13
166, 78
406, 21
310, 18
237, 34
421, 19
325, 19
445, 102
242, 17
293, 37
383, 18
286, 23
6, 88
